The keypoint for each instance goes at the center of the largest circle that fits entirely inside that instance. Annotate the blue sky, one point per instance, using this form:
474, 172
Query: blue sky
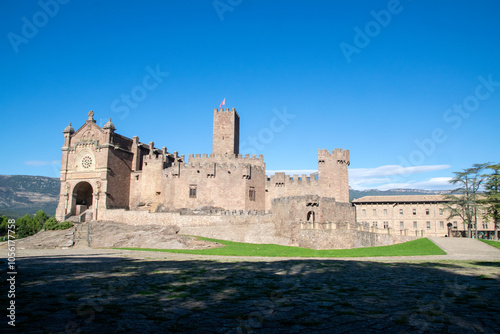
411, 88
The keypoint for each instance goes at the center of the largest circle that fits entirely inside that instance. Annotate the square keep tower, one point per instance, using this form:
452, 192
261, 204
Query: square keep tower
226, 136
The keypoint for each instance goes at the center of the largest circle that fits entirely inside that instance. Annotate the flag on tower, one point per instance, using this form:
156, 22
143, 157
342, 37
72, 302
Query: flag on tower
222, 103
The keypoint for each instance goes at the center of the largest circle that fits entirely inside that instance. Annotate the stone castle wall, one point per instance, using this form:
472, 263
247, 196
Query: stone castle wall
219, 183
241, 226
256, 227
291, 214
344, 239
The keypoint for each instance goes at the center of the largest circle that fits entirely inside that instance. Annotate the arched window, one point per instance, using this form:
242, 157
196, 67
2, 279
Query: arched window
311, 216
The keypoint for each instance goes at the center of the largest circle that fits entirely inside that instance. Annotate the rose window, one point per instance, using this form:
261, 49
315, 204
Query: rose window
86, 162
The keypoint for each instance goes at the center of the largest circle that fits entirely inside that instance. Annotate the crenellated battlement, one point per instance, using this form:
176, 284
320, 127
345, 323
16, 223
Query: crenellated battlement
212, 168
227, 110
283, 179
338, 155
153, 157
231, 158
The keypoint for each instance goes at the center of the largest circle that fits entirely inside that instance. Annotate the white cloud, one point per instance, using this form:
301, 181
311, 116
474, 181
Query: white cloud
392, 170
39, 163
396, 177
435, 183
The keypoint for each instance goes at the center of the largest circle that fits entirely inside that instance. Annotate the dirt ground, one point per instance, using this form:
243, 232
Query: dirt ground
112, 291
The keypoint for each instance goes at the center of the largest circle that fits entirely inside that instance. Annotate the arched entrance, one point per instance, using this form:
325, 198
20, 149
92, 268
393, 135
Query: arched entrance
82, 197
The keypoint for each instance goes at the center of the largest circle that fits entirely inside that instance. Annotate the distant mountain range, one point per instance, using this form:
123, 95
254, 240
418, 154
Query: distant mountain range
392, 192
22, 194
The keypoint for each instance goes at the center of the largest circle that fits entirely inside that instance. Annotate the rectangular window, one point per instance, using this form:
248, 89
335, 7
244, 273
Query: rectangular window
427, 212
401, 225
192, 191
375, 224
386, 225
385, 212
455, 224
414, 212
440, 212
374, 212
401, 212
428, 225
363, 212
415, 225
251, 194
441, 225
485, 226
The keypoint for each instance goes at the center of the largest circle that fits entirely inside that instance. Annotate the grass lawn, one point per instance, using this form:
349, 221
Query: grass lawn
411, 248
491, 243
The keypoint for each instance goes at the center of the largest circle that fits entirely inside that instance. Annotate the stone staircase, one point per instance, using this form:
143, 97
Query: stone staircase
81, 236
83, 217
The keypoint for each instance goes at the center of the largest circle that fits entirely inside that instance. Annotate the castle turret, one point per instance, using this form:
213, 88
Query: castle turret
333, 174
226, 135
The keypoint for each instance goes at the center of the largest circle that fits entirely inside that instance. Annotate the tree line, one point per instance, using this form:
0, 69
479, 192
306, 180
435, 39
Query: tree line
29, 225
477, 195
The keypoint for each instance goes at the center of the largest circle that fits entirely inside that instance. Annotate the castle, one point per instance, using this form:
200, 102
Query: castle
103, 170
109, 177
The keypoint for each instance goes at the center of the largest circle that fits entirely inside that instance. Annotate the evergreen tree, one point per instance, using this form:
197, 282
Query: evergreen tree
24, 226
492, 200
3, 225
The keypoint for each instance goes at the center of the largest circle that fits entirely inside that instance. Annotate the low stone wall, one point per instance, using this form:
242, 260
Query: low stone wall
235, 226
253, 228
344, 239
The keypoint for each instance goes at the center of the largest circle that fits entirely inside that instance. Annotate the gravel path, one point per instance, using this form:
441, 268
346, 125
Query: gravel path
101, 291
467, 249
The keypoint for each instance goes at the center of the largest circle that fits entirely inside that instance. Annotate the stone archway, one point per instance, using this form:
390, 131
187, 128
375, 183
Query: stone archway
82, 197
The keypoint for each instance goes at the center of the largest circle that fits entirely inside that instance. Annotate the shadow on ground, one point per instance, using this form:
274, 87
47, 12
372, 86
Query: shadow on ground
85, 294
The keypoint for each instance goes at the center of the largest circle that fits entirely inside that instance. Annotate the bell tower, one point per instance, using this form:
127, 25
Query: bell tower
226, 135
